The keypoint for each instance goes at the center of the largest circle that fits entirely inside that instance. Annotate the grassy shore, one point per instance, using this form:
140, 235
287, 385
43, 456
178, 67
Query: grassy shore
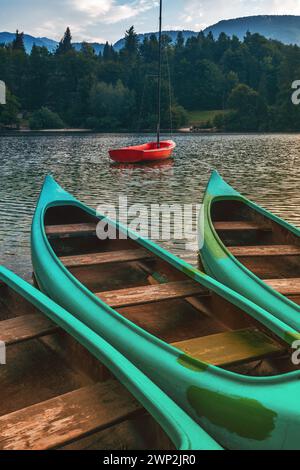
200, 118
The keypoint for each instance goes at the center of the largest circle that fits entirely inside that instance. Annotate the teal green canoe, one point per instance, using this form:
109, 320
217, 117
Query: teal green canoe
222, 359
23, 300
251, 251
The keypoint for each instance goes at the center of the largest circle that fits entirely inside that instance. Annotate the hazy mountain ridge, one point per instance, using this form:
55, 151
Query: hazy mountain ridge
51, 45
284, 28
172, 34
6, 38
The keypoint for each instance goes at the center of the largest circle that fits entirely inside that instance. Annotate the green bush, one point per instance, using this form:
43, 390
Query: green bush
44, 118
9, 111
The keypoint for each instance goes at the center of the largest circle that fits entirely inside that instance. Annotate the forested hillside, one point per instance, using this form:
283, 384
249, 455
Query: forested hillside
117, 90
284, 28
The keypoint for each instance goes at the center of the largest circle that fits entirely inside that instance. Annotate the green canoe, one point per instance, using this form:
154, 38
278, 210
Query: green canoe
220, 357
16, 294
251, 251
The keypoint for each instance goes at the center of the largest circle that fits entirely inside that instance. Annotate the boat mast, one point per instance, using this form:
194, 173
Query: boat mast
159, 73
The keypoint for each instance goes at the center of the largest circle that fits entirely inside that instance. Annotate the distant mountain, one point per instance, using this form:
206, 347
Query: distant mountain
6, 38
172, 34
284, 28
29, 41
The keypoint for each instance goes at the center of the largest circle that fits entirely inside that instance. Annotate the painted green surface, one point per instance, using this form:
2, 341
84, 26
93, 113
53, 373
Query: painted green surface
165, 365
217, 408
192, 364
224, 267
182, 430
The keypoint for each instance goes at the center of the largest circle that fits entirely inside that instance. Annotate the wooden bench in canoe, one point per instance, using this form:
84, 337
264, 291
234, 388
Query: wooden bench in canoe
62, 397
56, 395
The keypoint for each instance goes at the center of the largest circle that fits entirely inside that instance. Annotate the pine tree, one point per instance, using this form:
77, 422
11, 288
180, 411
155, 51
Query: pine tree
108, 52
65, 44
87, 49
18, 42
131, 42
180, 40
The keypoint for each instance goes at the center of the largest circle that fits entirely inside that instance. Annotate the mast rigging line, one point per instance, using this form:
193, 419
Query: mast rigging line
159, 74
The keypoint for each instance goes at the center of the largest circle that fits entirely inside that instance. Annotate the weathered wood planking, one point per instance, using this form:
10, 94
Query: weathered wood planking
25, 328
265, 250
151, 293
240, 226
110, 257
69, 230
56, 422
231, 347
285, 286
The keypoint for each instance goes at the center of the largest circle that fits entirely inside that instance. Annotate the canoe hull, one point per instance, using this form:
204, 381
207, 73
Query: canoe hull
144, 153
181, 429
223, 266
230, 399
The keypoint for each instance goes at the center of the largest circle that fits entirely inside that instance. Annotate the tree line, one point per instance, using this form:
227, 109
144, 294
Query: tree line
116, 90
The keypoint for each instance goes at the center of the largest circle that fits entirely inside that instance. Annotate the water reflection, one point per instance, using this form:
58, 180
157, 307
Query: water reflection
263, 167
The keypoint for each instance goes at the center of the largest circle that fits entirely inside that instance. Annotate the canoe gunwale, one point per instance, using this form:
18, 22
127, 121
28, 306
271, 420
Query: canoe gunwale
279, 328
79, 285
185, 433
240, 198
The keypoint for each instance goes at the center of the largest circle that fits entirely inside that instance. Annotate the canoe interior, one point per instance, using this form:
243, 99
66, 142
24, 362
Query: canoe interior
56, 395
162, 300
266, 248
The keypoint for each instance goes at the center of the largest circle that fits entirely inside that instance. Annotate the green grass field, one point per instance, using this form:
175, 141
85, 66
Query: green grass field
198, 118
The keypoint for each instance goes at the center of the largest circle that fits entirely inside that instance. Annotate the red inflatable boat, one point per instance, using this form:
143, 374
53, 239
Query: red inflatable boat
144, 153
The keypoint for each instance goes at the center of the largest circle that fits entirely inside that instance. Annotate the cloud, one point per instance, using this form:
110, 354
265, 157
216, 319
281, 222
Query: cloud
202, 13
95, 20
110, 11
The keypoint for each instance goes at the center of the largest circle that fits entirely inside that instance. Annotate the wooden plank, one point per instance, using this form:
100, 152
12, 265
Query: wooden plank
265, 250
70, 230
106, 258
230, 347
63, 419
285, 286
152, 293
25, 328
240, 225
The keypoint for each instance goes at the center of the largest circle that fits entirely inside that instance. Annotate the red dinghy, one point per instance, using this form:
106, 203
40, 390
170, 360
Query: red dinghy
149, 152
152, 151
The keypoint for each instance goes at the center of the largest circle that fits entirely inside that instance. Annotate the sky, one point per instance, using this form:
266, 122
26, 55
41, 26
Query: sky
101, 20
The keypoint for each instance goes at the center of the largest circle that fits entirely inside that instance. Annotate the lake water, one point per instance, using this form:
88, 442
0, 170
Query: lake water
264, 167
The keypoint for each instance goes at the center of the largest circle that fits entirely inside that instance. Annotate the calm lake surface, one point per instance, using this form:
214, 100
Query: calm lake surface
264, 167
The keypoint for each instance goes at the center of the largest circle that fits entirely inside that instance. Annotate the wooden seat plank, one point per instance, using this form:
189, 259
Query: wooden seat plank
25, 328
230, 347
106, 258
70, 230
265, 250
151, 293
63, 419
240, 225
285, 286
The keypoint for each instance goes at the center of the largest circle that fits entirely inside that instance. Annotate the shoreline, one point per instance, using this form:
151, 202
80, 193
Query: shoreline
57, 132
